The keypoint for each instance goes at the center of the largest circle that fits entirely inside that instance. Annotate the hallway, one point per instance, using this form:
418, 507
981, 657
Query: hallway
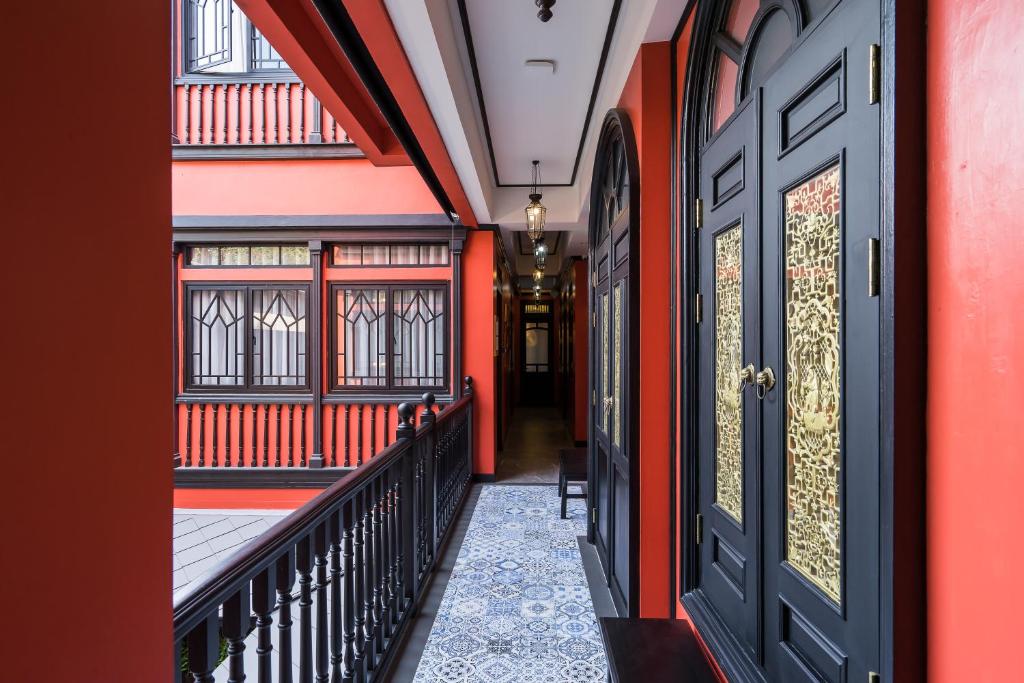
517, 606
530, 455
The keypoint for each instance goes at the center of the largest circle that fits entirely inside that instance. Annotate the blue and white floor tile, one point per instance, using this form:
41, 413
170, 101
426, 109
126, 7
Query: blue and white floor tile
517, 606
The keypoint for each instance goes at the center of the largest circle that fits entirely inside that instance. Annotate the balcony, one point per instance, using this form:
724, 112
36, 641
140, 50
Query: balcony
253, 117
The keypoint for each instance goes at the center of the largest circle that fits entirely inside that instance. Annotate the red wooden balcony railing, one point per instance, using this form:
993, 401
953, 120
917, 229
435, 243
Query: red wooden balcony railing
361, 553
249, 432
251, 112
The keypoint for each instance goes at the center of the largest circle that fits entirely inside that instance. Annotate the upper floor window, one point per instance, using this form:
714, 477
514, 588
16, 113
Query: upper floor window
248, 255
246, 337
219, 38
390, 255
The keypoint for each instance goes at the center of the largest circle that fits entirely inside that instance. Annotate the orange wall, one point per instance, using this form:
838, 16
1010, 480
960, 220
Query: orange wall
478, 264
86, 516
243, 499
308, 187
975, 175
647, 98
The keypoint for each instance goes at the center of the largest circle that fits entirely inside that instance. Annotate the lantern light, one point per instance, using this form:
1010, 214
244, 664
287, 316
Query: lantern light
535, 211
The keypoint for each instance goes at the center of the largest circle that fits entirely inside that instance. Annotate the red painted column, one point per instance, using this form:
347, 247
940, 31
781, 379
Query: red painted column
86, 486
975, 468
478, 341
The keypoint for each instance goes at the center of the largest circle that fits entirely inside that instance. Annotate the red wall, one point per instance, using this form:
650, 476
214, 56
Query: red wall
975, 176
478, 264
647, 98
308, 187
86, 516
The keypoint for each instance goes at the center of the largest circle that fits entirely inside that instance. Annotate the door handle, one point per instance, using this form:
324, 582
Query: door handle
608, 403
765, 381
747, 374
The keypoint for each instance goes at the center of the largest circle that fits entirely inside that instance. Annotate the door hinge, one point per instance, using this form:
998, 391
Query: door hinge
874, 73
700, 528
873, 266
874, 677
593, 397
593, 515
699, 208
699, 306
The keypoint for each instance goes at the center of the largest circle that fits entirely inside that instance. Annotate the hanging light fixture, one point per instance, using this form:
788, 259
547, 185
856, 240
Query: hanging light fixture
540, 254
535, 211
538, 277
545, 13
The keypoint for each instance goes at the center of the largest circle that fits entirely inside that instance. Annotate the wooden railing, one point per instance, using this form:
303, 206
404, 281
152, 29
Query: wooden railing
252, 113
253, 432
360, 553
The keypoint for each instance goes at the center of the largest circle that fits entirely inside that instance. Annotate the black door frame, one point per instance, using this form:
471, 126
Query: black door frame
548, 318
617, 123
903, 356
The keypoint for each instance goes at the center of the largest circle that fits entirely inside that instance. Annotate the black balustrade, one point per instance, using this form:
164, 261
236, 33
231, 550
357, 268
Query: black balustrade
359, 554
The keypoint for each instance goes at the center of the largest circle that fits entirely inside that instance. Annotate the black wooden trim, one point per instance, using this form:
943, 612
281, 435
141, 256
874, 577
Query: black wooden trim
259, 152
417, 221
613, 16
316, 458
176, 458
580, 443
527, 250
257, 477
338, 21
485, 478
282, 76
456, 322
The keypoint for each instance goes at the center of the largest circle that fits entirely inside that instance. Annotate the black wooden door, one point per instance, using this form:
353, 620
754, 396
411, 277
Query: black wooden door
537, 378
613, 378
790, 358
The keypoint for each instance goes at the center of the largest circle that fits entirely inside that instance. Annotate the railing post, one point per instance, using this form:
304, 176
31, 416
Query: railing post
428, 417
409, 523
204, 649
469, 425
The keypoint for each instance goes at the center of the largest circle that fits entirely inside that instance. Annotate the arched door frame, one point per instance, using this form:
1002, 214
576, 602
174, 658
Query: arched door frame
617, 126
903, 293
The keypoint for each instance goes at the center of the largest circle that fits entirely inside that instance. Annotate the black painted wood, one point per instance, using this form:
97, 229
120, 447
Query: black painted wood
654, 651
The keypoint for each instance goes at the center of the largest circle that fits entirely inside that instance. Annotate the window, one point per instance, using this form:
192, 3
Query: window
246, 337
390, 255
219, 38
413, 318
246, 255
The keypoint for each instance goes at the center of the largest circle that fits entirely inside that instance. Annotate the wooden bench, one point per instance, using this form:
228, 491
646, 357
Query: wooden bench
572, 467
654, 651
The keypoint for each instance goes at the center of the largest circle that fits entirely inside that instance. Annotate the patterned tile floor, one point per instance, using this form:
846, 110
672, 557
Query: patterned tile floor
517, 607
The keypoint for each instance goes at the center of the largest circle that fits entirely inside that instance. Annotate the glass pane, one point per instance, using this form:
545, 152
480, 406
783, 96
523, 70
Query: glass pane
617, 369
361, 350
264, 56
405, 254
217, 337
204, 256
348, 255
266, 256
725, 90
208, 33
292, 255
434, 254
536, 347
813, 359
728, 364
234, 256
603, 392
419, 328
375, 255
279, 337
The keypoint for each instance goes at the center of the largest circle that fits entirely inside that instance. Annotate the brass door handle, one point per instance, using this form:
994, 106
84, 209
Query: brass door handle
747, 374
765, 381
608, 403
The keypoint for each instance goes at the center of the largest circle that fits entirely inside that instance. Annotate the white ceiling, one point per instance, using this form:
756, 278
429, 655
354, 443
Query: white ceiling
532, 113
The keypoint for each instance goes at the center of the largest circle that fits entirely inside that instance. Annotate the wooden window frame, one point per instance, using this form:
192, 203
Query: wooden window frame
248, 386
389, 388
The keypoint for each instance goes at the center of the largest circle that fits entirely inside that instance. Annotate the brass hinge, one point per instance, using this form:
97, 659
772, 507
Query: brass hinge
593, 397
593, 515
699, 305
874, 677
699, 221
873, 266
874, 73
700, 528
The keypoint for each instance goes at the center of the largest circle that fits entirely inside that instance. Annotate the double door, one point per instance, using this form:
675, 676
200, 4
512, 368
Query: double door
788, 344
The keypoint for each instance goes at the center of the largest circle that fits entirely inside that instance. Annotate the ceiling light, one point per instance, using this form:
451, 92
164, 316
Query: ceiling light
545, 9
538, 277
535, 211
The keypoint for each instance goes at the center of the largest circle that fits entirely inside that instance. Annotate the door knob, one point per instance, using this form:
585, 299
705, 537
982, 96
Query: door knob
747, 374
765, 381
